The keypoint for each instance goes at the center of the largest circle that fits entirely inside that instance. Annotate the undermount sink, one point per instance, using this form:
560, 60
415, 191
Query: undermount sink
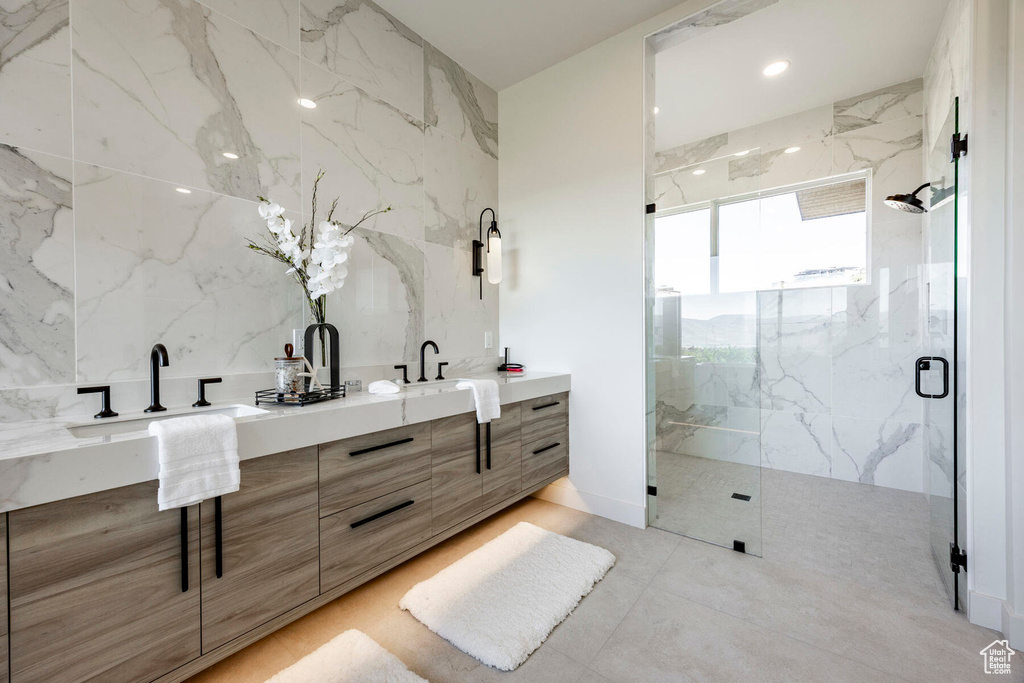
108, 427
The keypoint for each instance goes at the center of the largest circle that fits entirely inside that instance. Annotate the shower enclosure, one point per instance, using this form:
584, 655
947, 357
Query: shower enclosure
802, 365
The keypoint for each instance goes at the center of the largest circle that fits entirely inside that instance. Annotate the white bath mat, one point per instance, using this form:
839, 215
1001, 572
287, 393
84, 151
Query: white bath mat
500, 602
352, 657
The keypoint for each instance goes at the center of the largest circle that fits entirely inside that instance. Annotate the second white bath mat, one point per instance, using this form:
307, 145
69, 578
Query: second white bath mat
500, 602
352, 657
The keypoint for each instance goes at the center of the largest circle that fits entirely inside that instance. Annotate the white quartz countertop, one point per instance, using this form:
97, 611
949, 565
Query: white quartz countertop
42, 461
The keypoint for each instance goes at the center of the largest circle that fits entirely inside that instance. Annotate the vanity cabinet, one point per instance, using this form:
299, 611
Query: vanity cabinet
456, 470
268, 543
103, 587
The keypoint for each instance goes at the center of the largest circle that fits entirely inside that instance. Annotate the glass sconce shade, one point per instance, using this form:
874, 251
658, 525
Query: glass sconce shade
494, 257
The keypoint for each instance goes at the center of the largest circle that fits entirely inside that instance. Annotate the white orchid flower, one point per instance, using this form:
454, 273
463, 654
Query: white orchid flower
269, 209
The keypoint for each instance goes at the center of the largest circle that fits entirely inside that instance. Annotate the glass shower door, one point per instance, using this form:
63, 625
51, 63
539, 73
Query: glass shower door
936, 373
706, 464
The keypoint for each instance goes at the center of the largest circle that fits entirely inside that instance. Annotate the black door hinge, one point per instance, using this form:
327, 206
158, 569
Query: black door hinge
957, 146
957, 558
652, 490
651, 208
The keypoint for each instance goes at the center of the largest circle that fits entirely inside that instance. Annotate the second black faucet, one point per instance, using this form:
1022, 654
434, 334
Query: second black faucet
158, 358
423, 363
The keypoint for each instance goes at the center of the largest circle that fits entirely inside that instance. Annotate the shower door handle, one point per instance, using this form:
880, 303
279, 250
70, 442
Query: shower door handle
924, 364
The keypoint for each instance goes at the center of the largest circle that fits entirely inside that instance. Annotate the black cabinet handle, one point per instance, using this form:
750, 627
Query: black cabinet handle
488, 445
184, 549
478, 448
381, 514
371, 449
547, 448
218, 535
547, 405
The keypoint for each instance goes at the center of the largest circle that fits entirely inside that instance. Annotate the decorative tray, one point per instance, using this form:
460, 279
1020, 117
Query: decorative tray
295, 399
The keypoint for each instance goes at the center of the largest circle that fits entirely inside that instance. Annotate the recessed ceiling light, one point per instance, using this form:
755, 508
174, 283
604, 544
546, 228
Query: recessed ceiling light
230, 155
657, 110
742, 154
792, 150
699, 171
308, 104
775, 68
183, 190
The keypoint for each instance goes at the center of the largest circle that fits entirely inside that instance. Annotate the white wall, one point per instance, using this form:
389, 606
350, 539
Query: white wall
1013, 612
984, 331
571, 190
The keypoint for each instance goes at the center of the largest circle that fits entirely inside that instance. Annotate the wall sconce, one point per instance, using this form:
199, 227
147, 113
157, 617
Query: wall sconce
493, 246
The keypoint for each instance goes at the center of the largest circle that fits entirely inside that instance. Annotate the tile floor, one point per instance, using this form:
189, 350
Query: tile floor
672, 609
873, 534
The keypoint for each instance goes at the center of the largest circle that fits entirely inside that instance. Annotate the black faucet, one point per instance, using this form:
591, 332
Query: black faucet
157, 359
423, 363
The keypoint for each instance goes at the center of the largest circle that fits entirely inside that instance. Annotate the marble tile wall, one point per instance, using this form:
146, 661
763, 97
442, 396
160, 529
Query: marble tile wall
833, 387
723, 12
107, 107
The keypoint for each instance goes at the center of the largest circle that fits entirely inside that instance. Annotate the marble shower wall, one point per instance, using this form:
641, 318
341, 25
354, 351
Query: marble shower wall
108, 107
832, 393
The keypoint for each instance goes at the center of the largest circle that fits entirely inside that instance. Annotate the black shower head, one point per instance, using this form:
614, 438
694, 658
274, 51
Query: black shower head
908, 202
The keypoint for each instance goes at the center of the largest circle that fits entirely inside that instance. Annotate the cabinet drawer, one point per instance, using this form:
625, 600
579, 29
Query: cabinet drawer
545, 458
359, 538
544, 416
363, 468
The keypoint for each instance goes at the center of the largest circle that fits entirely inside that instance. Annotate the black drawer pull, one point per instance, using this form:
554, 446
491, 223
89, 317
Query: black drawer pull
381, 514
218, 534
184, 549
547, 405
547, 448
371, 449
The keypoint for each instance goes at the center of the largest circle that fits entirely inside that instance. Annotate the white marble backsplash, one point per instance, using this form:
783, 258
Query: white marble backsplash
103, 256
829, 386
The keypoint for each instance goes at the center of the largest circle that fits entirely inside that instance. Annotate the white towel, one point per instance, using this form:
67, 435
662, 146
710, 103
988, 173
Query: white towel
198, 458
383, 386
485, 395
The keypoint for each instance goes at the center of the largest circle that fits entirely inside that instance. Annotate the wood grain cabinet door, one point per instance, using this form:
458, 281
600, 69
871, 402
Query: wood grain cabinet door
456, 470
4, 664
96, 588
503, 457
269, 546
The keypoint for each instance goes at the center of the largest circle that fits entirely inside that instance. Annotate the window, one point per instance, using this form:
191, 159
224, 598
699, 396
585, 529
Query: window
682, 245
813, 235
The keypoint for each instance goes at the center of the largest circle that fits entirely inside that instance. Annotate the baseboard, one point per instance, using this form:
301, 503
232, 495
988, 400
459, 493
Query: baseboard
617, 510
1013, 627
984, 610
